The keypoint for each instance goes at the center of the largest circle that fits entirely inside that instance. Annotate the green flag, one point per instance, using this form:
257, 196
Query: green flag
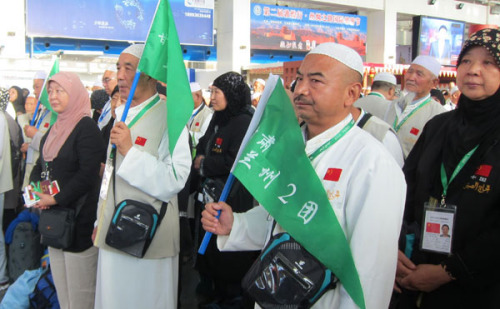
162, 60
293, 193
44, 96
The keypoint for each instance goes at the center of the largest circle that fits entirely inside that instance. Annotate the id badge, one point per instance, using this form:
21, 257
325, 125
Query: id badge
29, 156
437, 231
106, 177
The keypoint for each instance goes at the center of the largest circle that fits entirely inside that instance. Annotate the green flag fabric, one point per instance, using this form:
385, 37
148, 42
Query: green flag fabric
162, 59
293, 193
44, 96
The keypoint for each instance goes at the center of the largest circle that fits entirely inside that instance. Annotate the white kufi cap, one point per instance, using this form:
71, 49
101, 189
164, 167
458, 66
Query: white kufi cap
385, 77
454, 89
40, 75
135, 50
260, 81
194, 86
341, 53
430, 63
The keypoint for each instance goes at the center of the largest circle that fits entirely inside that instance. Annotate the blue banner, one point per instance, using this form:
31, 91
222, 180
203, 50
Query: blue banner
297, 29
117, 20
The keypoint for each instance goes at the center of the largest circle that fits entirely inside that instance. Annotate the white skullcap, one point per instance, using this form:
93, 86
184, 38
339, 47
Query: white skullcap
40, 75
430, 63
260, 81
31, 95
194, 86
386, 77
453, 90
135, 50
341, 53
97, 83
111, 68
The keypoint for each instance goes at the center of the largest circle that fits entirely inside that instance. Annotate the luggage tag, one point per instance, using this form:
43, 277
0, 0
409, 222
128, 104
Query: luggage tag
437, 231
106, 178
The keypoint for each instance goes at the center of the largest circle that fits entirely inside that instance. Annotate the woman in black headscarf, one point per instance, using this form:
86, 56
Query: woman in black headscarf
231, 100
17, 98
456, 163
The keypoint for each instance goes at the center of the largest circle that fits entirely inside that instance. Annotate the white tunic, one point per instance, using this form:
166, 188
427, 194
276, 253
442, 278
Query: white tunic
368, 201
124, 281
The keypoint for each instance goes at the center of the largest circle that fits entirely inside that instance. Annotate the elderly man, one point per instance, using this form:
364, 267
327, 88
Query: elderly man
369, 192
409, 114
144, 172
201, 116
378, 100
258, 85
109, 82
35, 133
451, 104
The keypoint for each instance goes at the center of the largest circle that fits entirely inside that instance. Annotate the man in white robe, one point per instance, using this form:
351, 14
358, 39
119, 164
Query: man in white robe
144, 172
367, 196
383, 91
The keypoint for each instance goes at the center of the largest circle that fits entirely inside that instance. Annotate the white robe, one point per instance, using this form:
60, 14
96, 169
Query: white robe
368, 201
124, 281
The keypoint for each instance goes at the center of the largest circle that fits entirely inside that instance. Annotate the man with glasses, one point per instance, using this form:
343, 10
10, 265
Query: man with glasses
109, 82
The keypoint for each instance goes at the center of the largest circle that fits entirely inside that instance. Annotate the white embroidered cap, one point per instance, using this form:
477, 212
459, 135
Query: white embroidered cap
428, 62
386, 77
194, 86
454, 89
341, 53
135, 50
40, 75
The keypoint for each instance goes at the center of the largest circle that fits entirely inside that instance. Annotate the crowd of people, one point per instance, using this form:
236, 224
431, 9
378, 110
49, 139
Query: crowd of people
410, 176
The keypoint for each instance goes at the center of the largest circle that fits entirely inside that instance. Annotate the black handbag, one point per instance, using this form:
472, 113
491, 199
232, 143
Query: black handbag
133, 225
286, 275
57, 224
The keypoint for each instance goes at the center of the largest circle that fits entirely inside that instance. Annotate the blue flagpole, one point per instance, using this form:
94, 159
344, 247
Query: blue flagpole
32, 122
130, 95
223, 198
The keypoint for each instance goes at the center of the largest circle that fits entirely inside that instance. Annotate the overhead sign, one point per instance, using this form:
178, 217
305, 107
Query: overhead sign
117, 20
297, 29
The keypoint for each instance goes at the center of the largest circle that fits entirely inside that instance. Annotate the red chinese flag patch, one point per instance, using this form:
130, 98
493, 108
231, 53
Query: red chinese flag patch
414, 131
197, 124
141, 141
333, 174
46, 125
483, 170
218, 141
432, 227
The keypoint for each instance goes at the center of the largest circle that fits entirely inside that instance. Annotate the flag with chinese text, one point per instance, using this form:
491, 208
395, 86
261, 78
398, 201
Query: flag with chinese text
290, 190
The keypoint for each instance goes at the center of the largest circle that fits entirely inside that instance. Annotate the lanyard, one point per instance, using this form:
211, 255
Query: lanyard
377, 94
143, 111
194, 115
104, 113
45, 112
397, 127
444, 178
334, 139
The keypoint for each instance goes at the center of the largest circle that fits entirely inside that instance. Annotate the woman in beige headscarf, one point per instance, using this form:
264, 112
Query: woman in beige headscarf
71, 150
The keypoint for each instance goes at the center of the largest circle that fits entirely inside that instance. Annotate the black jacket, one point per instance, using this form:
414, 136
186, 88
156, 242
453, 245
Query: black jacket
476, 233
76, 169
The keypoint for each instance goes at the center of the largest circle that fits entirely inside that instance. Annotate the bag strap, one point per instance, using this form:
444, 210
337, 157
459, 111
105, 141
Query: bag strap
163, 209
364, 120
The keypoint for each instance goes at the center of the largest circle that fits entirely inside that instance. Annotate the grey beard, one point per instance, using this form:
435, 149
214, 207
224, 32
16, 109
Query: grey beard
406, 100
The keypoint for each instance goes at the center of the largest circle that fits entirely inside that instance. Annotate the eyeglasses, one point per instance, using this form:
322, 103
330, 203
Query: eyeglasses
107, 80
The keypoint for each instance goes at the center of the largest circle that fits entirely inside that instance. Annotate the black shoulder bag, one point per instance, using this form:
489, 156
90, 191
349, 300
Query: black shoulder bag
133, 224
57, 224
286, 275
